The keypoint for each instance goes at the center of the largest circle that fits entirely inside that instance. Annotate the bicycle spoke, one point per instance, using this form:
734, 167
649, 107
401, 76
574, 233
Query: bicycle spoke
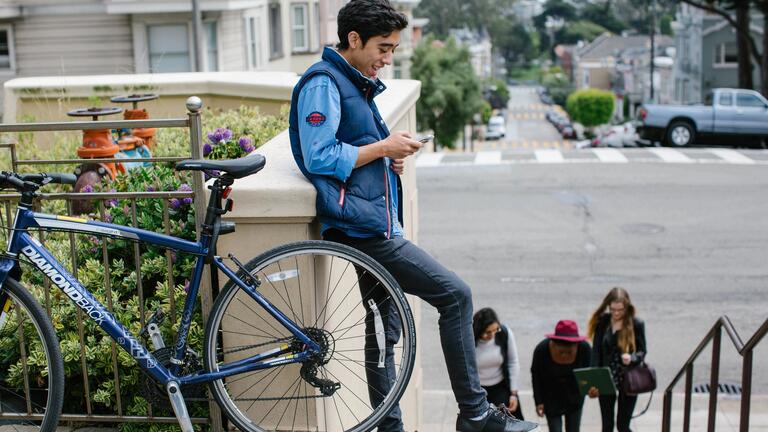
259, 315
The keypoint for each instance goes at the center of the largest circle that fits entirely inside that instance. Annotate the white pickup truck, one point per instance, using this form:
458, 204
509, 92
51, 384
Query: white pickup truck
725, 112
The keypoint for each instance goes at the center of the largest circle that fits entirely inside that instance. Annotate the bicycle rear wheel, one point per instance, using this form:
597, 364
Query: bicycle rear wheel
340, 298
31, 367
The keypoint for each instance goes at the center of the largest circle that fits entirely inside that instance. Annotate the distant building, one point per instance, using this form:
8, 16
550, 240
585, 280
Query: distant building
480, 49
595, 62
707, 56
525, 10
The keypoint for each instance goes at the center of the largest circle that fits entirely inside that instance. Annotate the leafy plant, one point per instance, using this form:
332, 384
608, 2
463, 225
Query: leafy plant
590, 107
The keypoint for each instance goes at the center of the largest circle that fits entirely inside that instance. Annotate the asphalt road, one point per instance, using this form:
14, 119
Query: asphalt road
545, 242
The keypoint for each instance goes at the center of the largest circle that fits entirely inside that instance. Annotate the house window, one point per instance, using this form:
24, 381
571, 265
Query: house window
168, 48
726, 54
397, 69
275, 32
299, 30
252, 41
6, 49
211, 47
316, 23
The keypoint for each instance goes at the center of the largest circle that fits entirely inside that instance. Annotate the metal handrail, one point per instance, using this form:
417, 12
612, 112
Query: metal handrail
744, 349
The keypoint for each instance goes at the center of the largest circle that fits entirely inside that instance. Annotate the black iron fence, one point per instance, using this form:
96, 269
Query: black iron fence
98, 199
744, 349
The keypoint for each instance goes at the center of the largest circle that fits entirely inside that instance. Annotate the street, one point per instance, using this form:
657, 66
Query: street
543, 241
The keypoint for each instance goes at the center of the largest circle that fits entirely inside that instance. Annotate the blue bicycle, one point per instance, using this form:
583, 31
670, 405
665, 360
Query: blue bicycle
311, 335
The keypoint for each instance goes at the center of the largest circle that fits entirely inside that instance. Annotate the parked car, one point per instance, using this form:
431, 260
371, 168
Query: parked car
496, 128
726, 112
561, 123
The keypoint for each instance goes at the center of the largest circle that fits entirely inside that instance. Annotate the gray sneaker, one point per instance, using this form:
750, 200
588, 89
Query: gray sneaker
498, 419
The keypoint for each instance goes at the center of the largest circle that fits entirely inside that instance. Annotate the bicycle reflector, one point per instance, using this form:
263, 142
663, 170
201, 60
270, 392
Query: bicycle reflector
226, 192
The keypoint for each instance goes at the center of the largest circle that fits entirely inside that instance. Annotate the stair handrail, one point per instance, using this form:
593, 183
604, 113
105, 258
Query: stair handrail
744, 349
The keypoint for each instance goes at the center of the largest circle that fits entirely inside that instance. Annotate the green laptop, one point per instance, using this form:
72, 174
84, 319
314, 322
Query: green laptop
599, 377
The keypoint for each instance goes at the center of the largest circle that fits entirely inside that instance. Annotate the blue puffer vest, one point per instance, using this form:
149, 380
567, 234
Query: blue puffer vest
362, 202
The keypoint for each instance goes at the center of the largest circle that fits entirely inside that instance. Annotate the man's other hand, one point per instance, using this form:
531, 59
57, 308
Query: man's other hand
398, 166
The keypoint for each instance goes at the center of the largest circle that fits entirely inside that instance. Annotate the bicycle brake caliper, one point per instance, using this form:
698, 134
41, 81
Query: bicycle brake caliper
378, 325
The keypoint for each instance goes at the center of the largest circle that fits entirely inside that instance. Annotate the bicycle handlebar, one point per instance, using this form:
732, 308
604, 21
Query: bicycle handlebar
31, 182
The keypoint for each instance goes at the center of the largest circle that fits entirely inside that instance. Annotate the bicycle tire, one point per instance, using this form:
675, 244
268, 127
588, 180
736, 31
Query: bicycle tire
32, 413
311, 410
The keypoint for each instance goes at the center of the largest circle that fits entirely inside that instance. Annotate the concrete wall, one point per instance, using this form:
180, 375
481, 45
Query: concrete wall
275, 206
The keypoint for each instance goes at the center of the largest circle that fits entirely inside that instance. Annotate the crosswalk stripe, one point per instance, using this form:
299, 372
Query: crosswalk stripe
549, 156
488, 158
429, 159
670, 155
732, 156
610, 155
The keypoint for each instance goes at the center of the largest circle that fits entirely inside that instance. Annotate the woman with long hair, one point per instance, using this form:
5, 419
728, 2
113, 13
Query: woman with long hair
497, 362
618, 341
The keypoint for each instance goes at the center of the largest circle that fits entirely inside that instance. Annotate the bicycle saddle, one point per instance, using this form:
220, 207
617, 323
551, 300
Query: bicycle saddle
235, 168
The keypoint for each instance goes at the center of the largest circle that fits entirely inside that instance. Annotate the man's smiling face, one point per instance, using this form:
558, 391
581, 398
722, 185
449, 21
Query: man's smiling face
374, 55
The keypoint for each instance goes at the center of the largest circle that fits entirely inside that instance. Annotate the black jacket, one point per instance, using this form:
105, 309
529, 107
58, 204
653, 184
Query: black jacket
600, 352
554, 385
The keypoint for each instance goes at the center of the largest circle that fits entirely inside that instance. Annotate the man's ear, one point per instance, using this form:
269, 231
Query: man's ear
354, 40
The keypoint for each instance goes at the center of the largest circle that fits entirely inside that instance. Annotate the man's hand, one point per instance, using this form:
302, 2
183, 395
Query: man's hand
400, 145
513, 403
398, 166
540, 410
593, 392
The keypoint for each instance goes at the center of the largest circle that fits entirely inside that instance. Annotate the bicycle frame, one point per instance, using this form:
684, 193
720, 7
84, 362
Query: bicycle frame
21, 242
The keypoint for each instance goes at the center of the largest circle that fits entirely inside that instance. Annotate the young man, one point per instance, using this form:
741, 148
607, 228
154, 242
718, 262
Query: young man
340, 142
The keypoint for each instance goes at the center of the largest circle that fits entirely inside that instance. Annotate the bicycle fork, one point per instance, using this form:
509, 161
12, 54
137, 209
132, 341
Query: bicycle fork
179, 406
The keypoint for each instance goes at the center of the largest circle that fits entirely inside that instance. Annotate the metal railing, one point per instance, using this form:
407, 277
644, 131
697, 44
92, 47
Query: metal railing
744, 349
193, 123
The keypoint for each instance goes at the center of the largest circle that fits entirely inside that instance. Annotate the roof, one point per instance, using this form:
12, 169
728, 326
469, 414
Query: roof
607, 45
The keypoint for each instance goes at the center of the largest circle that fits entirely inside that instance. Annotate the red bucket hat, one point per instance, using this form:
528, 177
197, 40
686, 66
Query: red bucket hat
566, 330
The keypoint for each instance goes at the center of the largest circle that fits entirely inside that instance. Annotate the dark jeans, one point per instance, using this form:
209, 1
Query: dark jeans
624, 416
498, 394
421, 275
572, 422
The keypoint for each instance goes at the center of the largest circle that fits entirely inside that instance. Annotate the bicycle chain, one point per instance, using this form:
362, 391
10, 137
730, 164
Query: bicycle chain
247, 347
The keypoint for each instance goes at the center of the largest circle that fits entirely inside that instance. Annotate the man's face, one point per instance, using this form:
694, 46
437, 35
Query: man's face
375, 54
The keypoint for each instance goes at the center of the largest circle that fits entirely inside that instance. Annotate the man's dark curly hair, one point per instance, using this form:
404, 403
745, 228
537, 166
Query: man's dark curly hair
368, 18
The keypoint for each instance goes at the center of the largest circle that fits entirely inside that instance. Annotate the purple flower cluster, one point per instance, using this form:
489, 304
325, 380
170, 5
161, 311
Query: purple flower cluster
219, 135
87, 189
246, 144
176, 203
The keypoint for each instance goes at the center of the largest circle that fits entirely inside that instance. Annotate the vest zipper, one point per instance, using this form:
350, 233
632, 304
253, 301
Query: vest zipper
386, 197
342, 194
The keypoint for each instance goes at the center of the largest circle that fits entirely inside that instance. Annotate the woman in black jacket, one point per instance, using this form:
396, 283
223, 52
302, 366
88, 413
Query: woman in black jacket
618, 341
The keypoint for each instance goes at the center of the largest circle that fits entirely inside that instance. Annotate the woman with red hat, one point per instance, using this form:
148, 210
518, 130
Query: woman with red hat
554, 385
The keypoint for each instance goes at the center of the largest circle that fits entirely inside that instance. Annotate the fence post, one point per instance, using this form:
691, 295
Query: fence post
194, 106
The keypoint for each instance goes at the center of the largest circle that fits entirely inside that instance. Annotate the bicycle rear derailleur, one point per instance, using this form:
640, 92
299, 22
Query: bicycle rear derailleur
311, 368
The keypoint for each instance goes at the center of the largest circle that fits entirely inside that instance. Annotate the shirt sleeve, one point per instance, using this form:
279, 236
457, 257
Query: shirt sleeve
513, 361
319, 111
537, 375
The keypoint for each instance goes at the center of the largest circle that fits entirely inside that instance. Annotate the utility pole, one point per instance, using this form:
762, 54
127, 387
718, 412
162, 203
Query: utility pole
653, 43
197, 35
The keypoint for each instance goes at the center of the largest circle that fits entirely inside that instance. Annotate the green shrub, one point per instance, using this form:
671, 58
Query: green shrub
590, 107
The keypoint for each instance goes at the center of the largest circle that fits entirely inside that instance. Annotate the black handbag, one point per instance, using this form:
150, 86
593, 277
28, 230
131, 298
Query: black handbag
640, 378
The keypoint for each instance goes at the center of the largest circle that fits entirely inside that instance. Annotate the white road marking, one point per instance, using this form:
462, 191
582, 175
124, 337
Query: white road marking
670, 155
732, 156
549, 156
429, 159
488, 158
610, 155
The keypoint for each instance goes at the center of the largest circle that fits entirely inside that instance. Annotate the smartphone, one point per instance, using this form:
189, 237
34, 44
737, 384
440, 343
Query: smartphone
426, 139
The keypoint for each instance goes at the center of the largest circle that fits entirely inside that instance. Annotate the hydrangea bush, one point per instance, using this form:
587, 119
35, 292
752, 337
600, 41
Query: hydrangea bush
230, 134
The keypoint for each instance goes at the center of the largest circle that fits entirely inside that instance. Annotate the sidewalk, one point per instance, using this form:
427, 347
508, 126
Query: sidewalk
440, 413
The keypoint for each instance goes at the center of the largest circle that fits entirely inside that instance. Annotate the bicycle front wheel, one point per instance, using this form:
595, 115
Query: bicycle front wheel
345, 302
31, 367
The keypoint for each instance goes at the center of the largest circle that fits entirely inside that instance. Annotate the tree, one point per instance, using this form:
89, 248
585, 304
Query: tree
747, 47
449, 14
450, 91
511, 39
603, 15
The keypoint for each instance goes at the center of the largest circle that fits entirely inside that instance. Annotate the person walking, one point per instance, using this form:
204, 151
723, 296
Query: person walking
497, 361
618, 341
342, 145
555, 390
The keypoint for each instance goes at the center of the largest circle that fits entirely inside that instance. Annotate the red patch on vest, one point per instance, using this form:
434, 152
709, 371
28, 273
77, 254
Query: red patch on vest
315, 119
